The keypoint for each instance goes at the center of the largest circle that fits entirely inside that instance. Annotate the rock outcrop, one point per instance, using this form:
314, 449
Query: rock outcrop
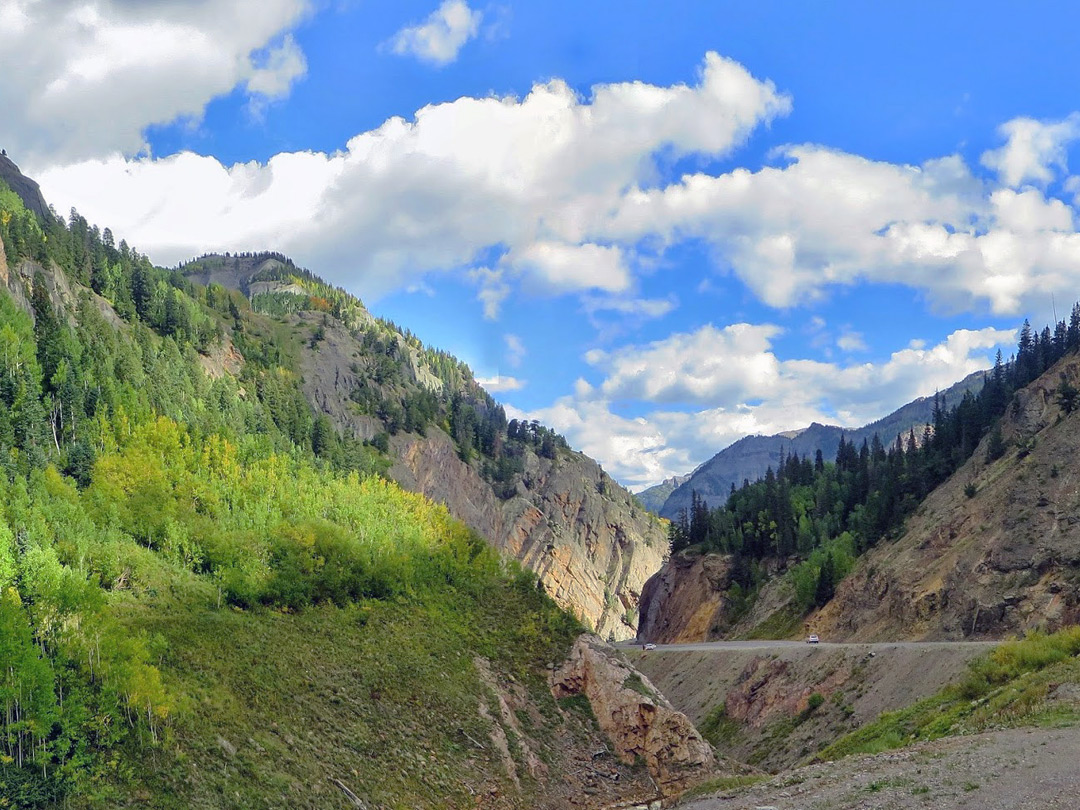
685, 600
593, 551
640, 722
993, 550
654, 497
28, 190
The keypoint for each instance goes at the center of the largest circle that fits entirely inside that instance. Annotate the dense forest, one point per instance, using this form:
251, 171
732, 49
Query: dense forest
820, 515
130, 478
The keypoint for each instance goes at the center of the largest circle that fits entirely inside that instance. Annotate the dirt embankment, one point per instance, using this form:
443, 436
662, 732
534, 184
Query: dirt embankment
771, 717
998, 770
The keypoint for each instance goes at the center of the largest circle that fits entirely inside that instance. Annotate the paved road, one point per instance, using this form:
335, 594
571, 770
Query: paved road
767, 644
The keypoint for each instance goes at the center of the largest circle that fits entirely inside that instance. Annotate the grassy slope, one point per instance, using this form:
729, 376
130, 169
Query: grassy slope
198, 611
381, 696
1009, 687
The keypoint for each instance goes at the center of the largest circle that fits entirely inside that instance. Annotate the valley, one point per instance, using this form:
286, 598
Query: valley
261, 548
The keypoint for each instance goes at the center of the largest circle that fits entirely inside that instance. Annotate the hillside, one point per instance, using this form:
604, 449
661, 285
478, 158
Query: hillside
749, 458
959, 534
210, 597
519, 485
653, 498
995, 549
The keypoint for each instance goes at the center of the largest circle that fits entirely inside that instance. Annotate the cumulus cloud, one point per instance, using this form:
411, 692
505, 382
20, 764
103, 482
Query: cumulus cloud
560, 194
851, 342
500, 383
278, 69
1032, 150
525, 179
826, 218
441, 36
735, 385
84, 78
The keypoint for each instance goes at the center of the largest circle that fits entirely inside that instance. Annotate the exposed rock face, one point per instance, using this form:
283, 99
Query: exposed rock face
591, 545
1005, 560
27, 189
685, 599
640, 722
593, 552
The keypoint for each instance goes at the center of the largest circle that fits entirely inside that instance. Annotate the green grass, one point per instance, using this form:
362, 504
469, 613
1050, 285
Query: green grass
784, 623
381, 696
1007, 687
633, 681
720, 730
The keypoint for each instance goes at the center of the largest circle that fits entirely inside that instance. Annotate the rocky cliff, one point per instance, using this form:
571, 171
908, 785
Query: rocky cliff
654, 498
685, 600
28, 190
640, 722
994, 550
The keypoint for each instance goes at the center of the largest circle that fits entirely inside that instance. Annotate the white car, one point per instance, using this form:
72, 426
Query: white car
649, 646
812, 639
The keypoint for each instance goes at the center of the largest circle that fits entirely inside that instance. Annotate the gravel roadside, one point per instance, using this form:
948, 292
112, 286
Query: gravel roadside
998, 770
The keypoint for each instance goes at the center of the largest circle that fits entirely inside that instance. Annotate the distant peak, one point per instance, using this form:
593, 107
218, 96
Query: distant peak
28, 190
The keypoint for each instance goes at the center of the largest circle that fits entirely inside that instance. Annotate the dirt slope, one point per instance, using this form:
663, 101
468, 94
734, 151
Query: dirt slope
766, 687
1002, 561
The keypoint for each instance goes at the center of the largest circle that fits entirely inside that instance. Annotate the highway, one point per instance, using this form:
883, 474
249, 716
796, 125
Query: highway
770, 644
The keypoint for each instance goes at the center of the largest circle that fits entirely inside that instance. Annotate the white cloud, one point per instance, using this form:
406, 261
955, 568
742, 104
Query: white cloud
1033, 149
499, 383
640, 307
281, 66
84, 78
736, 385
558, 193
570, 267
851, 342
441, 36
493, 289
515, 350
527, 177
828, 218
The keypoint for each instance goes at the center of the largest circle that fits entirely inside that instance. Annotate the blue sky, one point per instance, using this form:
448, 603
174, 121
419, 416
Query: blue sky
656, 227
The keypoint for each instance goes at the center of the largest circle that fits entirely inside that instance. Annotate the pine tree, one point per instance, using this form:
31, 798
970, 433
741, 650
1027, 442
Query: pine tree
826, 583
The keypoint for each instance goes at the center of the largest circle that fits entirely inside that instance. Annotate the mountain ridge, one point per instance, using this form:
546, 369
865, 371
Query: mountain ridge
750, 457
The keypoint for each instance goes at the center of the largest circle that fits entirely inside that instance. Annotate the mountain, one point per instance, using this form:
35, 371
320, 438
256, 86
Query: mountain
213, 594
966, 534
995, 550
27, 190
749, 458
520, 486
653, 498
